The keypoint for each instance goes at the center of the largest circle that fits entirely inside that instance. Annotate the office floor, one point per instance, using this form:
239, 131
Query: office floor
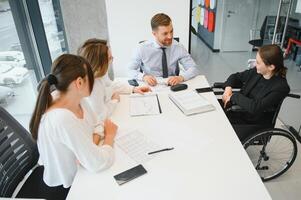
218, 66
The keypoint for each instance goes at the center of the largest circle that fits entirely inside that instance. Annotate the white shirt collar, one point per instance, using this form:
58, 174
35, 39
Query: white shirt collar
157, 45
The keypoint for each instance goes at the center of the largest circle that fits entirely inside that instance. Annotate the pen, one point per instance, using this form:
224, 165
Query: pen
158, 104
166, 149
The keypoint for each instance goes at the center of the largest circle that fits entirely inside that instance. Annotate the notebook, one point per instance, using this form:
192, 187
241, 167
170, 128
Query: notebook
147, 104
190, 102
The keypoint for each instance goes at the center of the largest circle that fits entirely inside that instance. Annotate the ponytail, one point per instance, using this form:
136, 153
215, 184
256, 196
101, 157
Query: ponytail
42, 104
281, 72
65, 69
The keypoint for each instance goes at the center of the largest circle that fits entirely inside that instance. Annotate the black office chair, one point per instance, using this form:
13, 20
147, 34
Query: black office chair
255, 41
18, 153
18, 156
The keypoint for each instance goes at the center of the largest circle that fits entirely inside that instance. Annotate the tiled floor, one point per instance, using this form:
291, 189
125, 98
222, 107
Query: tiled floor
218, 66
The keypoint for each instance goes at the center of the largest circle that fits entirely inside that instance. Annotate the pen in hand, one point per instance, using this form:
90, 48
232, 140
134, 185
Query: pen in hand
166, 149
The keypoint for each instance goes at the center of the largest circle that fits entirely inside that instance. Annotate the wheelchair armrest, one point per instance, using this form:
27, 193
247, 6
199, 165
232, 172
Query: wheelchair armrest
296, 96
218, 92
218, 85
221, 85
236, 108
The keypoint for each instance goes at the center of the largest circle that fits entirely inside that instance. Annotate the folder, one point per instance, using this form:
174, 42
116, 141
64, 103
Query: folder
211, 21
190, 102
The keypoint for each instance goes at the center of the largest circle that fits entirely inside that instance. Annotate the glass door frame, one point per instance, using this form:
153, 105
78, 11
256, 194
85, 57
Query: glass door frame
31, 32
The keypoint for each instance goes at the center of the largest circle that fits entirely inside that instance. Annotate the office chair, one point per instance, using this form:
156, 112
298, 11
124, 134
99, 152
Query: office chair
18, 153
266, 32
255, 41
18, 157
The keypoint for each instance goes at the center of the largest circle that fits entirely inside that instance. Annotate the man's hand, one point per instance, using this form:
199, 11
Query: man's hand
227, 95
141, 89
174, 80
149, 79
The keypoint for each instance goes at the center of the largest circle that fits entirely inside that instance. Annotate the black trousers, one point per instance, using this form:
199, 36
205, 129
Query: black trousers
242, 127
35, 187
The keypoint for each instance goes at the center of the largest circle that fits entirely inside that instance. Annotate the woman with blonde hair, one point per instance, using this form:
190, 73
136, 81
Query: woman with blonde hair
105, 93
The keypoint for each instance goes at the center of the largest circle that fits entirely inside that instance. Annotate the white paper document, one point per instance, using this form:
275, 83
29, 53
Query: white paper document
162, 81
191, 102
147, 104
162, 85
137, 146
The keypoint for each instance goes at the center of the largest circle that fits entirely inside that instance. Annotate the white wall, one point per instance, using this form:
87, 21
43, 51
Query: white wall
129, 23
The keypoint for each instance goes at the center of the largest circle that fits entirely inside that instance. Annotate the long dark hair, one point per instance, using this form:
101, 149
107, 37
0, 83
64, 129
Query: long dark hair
272, 55
65, 69
95, 51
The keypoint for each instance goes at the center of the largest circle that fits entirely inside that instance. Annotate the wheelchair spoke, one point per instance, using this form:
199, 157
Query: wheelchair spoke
271, 152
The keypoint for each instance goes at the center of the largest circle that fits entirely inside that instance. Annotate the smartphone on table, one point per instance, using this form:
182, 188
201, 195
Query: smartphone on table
130, 174
133, 82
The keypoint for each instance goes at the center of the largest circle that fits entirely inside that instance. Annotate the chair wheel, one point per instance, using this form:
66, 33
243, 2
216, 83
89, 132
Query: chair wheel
272, 152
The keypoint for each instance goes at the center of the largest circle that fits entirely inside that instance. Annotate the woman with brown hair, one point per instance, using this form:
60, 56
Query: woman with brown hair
262, 88
105, 94
63, 125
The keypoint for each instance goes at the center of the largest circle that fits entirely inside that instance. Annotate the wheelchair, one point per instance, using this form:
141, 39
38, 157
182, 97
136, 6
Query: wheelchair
271, 150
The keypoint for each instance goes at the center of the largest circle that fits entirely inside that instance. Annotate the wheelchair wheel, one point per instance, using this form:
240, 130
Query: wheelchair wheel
271, 151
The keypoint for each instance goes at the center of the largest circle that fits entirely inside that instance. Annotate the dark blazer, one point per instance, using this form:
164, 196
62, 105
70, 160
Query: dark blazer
276, 89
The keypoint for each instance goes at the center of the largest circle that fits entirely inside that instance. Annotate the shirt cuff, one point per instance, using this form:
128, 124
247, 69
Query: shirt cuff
185, 77
130, 90
108, 147
114, 101
140, 76
99, 130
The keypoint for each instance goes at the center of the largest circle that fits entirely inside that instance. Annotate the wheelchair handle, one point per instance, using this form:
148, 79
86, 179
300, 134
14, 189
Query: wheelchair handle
218, 92
221, 85
296, 96
218, 85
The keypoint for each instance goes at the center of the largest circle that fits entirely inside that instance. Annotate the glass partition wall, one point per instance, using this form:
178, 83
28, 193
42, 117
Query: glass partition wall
31, 36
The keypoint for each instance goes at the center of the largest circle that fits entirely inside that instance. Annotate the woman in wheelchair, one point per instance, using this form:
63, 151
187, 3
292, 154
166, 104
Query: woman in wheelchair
262, 90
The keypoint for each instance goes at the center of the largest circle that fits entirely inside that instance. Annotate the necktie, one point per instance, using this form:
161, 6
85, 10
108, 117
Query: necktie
164, 63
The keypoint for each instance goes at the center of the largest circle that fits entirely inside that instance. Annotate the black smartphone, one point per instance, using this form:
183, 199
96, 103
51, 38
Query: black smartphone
130, 174
202, 90
133, 82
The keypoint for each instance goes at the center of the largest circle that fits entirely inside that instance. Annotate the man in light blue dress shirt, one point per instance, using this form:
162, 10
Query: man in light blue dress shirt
161, 56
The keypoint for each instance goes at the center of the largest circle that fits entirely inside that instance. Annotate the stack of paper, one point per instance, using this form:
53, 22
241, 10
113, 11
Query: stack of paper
191, 102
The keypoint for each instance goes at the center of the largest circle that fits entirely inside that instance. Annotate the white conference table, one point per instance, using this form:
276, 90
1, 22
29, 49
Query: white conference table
208, 161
